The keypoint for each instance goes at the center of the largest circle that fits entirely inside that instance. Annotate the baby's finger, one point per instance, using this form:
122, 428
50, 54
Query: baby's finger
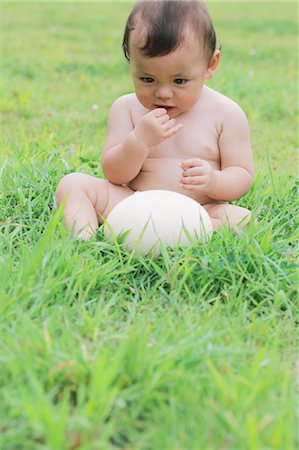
193, 171
158, 112
163, 119
170, 123
173, 130
191, 180
186, 163
190, 187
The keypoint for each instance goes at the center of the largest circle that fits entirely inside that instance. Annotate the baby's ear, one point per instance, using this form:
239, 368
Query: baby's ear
213, 64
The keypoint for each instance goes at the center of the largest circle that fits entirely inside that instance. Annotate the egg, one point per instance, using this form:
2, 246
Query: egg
149, 219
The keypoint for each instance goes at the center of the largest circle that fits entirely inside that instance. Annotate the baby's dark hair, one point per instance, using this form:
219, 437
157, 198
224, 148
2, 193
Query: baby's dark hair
164, 22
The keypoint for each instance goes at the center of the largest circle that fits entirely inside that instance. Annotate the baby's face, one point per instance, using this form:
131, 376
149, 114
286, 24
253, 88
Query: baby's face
173, 81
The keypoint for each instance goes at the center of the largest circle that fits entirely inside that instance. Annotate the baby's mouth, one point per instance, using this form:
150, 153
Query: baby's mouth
168, 108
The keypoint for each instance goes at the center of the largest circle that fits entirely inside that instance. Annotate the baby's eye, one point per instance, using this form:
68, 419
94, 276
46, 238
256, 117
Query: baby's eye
147, 80
180, 81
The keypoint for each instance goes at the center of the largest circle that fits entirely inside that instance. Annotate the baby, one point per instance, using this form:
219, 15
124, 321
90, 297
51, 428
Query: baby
173, 132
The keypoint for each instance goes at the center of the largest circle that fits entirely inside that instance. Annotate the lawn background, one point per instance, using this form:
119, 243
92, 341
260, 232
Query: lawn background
104, 350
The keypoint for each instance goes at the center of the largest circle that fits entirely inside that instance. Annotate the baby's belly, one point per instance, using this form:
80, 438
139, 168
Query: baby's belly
164, 173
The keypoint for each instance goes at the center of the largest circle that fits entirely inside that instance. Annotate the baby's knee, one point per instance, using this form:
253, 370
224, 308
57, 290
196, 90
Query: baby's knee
67, 185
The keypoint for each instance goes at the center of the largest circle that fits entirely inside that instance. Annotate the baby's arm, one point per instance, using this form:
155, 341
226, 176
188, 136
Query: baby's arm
235, 176
127, 147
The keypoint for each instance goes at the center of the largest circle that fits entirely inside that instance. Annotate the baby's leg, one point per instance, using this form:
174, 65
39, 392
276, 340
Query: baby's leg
87, 199
225, 214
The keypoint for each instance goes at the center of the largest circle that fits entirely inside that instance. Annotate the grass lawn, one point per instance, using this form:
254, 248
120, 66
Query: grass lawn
100, 349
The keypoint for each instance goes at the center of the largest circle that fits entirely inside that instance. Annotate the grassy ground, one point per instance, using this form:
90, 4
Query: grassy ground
102, 350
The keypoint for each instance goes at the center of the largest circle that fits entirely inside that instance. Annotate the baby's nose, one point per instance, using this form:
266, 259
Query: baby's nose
164, 92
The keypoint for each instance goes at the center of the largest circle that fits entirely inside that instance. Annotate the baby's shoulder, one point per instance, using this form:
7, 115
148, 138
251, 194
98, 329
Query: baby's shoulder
125, 101
227, 113
223, 104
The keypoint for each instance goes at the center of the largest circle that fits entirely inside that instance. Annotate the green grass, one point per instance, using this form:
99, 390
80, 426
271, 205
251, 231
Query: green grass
100, 349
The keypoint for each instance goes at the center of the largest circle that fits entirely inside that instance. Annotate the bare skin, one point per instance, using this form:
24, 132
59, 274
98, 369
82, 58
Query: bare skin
173, 133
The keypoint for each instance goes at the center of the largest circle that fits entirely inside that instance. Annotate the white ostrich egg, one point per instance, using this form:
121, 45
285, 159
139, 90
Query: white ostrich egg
155, 216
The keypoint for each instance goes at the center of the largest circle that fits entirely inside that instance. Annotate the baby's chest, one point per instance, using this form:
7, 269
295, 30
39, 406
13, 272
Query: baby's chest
189, 142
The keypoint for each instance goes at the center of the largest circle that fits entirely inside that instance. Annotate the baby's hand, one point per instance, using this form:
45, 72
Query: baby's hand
197, 175
155, 127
